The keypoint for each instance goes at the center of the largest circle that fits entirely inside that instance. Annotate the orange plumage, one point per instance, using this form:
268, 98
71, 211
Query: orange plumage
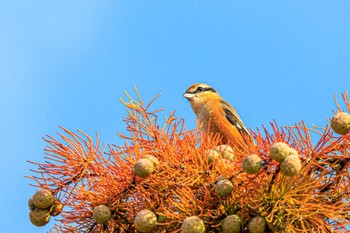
216, 116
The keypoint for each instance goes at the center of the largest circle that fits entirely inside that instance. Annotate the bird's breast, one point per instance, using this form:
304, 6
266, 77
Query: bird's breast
209, 116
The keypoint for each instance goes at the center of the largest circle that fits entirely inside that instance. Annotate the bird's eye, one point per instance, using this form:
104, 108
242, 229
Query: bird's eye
199, 89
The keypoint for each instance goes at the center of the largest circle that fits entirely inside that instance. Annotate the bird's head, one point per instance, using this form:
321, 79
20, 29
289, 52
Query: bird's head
199, 94
200, 91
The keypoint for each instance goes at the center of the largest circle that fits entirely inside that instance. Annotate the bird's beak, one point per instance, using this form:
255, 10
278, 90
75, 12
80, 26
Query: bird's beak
188, 95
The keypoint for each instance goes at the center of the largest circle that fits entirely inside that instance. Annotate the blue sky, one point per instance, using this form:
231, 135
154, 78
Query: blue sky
67, 63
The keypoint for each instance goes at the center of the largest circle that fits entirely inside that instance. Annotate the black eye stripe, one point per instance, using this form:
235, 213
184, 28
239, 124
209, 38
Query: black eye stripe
204, 89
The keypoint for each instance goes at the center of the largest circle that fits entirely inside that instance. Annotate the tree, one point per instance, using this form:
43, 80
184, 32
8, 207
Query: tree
166, 178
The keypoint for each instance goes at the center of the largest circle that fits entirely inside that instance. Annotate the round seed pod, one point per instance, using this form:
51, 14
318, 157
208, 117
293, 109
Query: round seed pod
39, 217
232, 224
226, 152
291, 165
223, 187
153, 159
30, 203
144, 167
279, 151
340, 123
192, 224
212, 155
145, 221
102, 214
292, 151
251, 164
43, 199
56, 208
257, 225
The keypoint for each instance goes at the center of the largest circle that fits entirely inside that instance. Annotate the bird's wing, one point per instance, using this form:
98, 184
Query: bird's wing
232, 116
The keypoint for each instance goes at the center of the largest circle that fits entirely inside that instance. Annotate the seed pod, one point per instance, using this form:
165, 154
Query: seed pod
223, 187
212, 155
39, 217
226, 152
30, 203
251, 164
102, 214
292, 151
56, 208
232, 224
43, 199
144, 167
257, 225
340, 123
192, 224
153, 159
279, 151
145, 221
291, 165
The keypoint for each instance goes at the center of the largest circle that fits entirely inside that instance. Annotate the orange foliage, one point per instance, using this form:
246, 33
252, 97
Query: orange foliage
82, 175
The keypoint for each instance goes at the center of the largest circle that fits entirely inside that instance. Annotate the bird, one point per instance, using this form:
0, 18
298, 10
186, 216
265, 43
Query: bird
216, 116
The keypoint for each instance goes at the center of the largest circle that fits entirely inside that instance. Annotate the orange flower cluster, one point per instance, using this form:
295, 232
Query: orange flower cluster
184, 179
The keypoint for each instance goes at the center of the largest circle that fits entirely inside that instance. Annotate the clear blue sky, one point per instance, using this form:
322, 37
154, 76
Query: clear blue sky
67, 63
